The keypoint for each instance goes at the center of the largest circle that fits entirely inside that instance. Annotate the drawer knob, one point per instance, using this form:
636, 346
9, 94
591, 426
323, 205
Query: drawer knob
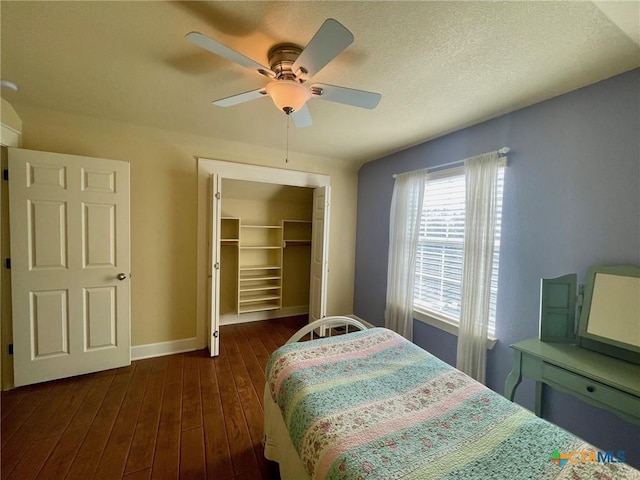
591, 389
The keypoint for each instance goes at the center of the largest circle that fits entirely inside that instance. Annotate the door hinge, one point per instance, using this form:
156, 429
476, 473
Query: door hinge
217, 195
7, 263
5, 174
10, 348
215, 334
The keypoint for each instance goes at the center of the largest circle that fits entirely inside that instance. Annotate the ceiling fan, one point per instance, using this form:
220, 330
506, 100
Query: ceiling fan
290, 68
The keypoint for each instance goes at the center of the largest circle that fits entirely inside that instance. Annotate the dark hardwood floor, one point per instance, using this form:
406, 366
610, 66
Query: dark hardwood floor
184, 416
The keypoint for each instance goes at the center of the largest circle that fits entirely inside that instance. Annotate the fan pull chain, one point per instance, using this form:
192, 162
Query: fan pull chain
286, 158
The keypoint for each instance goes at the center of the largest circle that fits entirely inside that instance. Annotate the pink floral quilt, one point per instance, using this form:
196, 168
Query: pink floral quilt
372, 405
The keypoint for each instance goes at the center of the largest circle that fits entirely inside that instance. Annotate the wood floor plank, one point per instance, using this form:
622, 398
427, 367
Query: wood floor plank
114, 458
279, 333
240, 445
34, 458
192, 455
67, 408
218, 456
264, 336
241, 376
28, 398
84, 467
65, 451
12, 398
144, 439
191, 401
166, 460
91, 404
249, 400
260, 352
251, 405
254, 366
13, 451
139, 475
102, 424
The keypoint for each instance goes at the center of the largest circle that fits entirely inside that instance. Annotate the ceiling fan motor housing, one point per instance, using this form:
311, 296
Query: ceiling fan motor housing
281, 60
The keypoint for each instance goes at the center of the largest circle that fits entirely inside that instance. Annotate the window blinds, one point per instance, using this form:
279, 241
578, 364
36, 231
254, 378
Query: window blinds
438, 275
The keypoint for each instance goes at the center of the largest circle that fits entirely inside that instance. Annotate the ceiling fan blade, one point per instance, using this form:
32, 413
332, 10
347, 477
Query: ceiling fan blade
331, 39
302, 118
348, 96
240, 98
226, 52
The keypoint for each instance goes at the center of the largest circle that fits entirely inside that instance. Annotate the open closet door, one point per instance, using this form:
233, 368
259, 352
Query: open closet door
213, 272
319, 255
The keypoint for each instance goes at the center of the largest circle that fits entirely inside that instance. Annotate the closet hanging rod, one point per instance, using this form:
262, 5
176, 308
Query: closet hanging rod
501, 152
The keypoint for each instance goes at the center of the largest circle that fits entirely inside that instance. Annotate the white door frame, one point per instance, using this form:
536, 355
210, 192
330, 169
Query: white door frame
234, 171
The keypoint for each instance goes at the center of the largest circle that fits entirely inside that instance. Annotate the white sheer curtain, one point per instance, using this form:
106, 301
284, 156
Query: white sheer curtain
480, 220
404, 228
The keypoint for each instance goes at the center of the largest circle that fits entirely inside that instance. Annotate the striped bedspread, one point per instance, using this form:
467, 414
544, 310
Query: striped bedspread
371, 405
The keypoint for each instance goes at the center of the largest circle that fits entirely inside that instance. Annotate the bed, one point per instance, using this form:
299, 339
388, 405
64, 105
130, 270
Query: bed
372, 405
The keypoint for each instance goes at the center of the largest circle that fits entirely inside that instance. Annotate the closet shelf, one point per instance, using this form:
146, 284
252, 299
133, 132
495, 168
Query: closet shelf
258, 307
261, 226
259, 288
257, 277
258, 297
259, 247
259, 267
296, 243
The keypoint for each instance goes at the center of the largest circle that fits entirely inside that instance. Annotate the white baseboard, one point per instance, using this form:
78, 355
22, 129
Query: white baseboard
232, 319
150, 350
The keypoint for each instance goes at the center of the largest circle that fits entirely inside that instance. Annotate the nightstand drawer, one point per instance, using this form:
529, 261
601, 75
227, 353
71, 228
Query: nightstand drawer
590, 389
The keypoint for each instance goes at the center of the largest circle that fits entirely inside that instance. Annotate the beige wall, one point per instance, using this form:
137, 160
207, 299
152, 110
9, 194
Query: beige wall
164, 210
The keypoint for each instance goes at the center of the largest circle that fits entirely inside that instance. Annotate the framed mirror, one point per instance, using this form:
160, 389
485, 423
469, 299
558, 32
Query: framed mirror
610, 317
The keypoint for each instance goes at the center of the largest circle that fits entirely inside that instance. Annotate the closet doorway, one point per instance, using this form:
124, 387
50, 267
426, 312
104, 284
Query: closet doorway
262, 245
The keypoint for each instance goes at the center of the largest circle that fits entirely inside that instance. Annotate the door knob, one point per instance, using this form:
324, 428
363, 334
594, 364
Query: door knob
122, 276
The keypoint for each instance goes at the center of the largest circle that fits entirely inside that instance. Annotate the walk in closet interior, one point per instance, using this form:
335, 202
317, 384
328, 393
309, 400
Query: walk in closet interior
265, 250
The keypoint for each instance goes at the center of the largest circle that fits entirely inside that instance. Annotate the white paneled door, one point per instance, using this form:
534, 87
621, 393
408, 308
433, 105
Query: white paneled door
213, 282
319, 255
70, 264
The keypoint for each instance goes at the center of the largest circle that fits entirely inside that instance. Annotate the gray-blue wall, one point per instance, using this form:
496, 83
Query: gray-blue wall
571, 200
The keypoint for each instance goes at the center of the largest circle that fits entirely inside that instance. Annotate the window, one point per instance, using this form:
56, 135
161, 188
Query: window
439, 262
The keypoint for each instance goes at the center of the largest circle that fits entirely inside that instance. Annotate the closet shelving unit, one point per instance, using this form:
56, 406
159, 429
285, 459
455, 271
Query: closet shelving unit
259, 268
255, 261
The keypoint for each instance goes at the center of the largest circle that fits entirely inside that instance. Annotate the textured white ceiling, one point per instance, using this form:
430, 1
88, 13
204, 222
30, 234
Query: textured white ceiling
439, 66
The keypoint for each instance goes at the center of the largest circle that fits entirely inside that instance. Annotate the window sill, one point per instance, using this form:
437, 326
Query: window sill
448, 326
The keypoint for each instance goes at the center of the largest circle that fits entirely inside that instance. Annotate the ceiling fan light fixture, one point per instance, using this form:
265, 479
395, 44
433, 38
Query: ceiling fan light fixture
288, 95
